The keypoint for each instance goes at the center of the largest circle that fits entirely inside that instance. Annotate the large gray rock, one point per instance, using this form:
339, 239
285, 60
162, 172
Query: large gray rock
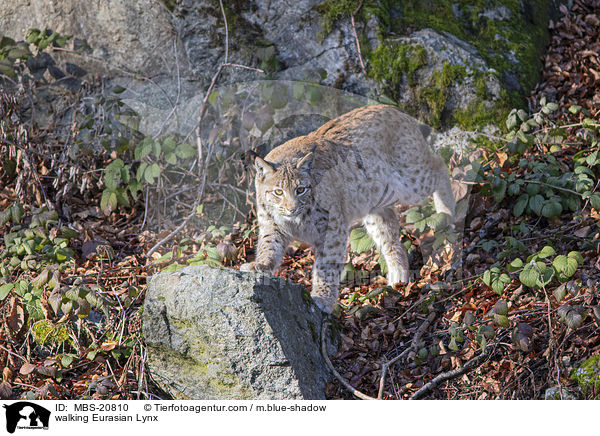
216, 333
284, 38
136, 35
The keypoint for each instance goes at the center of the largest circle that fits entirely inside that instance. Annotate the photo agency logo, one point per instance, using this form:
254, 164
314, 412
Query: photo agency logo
26, 415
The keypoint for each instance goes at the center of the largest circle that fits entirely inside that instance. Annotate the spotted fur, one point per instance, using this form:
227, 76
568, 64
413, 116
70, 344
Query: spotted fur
355, 167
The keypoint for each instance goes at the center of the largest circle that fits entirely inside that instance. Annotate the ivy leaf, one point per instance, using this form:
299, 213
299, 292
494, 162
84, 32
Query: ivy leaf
413, 215
547, 251
520, 205
139, 175
502, 320
112, 178
108, 202
171, 158
144, 148
564, 266
574, 319
551, 209
5, 289
360, 241
595, 201
577, 256
501, 308
487, 277
122, 197
452, 345
152, 173
536, 203
499, 189
185, 151
560, 292
530, 276
436, 221
515, 265
500, 284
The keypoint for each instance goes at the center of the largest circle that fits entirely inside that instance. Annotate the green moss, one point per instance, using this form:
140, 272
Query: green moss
587, 375
524, 33
435, 95
215, 383
390, 64
477, 114
46, 332
333, 10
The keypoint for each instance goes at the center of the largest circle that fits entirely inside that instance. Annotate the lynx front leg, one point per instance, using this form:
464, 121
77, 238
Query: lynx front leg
329, 262
383, 228
269, 250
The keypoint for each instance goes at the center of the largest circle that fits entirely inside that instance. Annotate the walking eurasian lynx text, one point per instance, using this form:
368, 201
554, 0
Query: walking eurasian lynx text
357, 166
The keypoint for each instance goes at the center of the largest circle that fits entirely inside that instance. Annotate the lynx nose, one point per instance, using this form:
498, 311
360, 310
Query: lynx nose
289, 205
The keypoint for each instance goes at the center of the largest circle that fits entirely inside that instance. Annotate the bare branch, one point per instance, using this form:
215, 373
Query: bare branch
471, 364
413, 347
362, 64
203, 161
337, 375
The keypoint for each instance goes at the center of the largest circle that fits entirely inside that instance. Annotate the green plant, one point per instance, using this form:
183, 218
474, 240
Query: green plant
154, 158
536, 272
543, 184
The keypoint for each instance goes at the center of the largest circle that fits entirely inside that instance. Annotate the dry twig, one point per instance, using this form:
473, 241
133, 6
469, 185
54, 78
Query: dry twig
413, 346
204, 161
337, 375
471, 364
362, 64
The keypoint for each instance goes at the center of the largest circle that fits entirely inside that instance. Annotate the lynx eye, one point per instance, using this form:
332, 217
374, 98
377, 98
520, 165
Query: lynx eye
300, 190
278, 192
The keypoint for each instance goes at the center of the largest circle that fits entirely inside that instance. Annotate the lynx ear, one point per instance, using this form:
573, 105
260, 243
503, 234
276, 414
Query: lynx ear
263, 168
306, 162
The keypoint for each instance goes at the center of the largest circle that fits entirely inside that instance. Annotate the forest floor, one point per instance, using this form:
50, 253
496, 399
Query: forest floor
508, 311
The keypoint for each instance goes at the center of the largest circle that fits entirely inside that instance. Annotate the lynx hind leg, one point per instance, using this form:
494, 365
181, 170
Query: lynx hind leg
383, 228
443, 197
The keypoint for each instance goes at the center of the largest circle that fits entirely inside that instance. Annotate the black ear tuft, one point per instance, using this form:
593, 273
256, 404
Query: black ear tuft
306, 162
263, 168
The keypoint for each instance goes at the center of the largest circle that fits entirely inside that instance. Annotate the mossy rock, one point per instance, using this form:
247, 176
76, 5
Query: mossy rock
438, 79
587, 376
506, 37
217, 333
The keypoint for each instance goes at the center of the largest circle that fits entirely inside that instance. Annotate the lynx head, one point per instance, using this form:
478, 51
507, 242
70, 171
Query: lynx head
285, 190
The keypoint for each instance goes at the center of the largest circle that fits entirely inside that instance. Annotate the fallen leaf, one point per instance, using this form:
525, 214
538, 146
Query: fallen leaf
108, 345
5, 390
16, 320
7, 374
48, 371
27, 368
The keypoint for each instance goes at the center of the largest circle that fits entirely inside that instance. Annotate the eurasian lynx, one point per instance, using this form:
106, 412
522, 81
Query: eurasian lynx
357, 166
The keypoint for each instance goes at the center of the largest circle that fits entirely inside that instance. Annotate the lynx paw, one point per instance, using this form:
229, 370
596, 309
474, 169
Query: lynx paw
397, 276
250, 266
253, 266
323, 303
